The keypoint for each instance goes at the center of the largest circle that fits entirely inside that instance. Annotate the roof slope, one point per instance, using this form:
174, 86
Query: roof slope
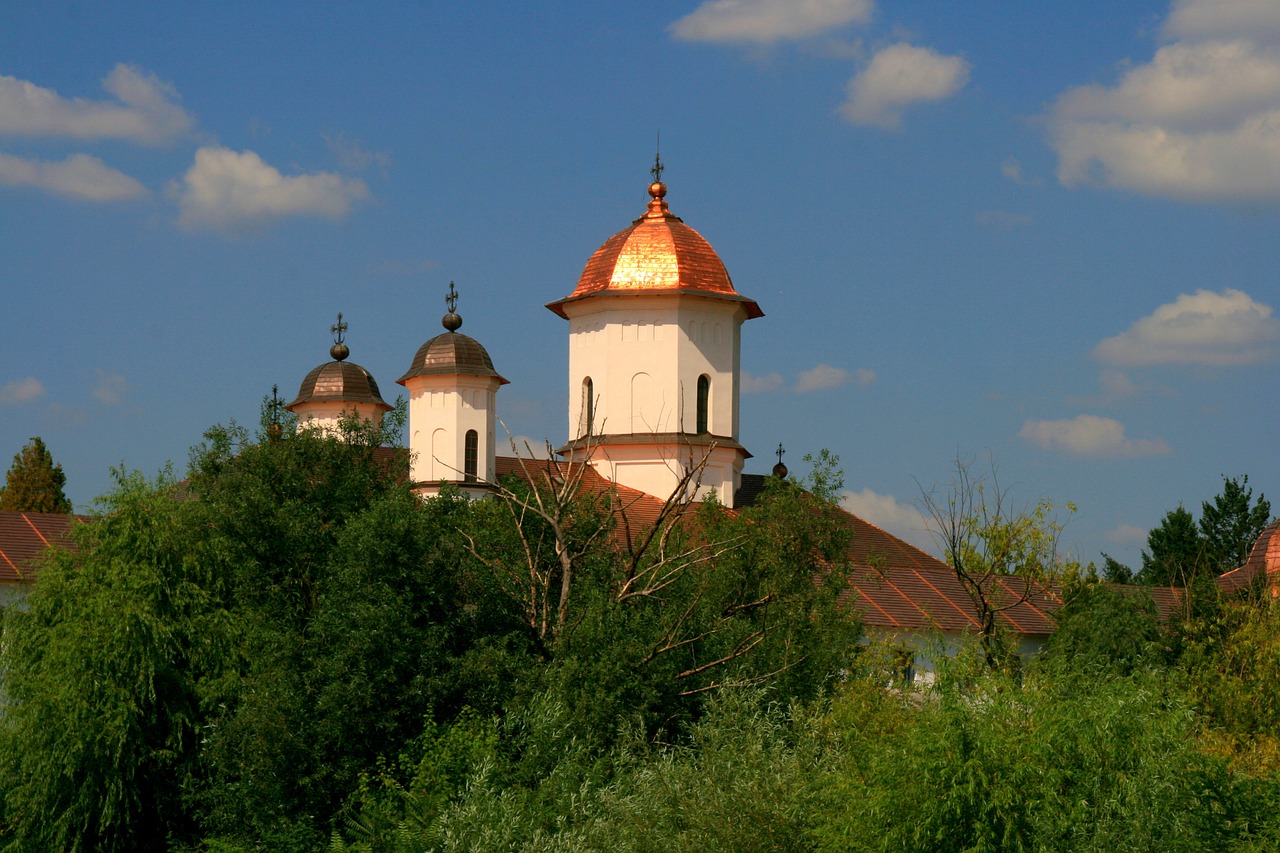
24, 536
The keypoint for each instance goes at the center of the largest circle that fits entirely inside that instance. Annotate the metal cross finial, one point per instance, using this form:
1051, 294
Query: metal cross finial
656, 171
780, 451
275, 405
451, 299
339, 329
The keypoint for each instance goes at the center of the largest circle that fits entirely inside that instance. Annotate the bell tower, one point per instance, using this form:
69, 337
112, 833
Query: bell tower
452, 389
654, 357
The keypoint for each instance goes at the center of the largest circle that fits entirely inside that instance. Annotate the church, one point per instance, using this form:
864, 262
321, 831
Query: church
653, 385
653, 396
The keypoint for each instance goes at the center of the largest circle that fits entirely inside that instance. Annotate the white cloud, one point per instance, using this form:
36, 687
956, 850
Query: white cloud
111, 387
79, 176
1127, 534
1201, 328
145, 109
768, 21
227, 189
1217, 18
884, 511
760, 384
897, 77
529, 448
823, 376
1088, 435
21, 391
1200, 120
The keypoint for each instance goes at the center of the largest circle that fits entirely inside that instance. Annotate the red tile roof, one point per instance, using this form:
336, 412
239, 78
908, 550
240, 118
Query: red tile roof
1263, 562
24, 536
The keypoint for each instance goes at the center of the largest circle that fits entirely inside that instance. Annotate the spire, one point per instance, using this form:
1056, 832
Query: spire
657, 189
339, 350
780, 470
451, 321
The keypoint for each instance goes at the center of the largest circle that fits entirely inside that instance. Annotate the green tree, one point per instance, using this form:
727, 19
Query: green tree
1232, 522
34, 483
1176, 552
1099, 626
101, 722
987, 542
1114, 571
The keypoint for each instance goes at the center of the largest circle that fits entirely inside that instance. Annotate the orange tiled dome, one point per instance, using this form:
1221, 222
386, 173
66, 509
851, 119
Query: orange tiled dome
658, 252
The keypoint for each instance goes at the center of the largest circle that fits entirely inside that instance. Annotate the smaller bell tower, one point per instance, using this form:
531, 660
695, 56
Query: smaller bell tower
336, 389
452, 410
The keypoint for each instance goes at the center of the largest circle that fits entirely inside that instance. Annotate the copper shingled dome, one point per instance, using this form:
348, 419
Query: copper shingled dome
451, 354
339, 381
658, 252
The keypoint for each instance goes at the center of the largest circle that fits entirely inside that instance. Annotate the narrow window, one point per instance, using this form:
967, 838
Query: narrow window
469, 453
588, 406
704, 394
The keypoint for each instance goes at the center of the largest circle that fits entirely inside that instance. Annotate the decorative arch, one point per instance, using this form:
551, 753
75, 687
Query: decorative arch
642, 404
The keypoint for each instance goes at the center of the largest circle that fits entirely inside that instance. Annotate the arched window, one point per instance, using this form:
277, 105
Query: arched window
704, 399
588, 407
470, 452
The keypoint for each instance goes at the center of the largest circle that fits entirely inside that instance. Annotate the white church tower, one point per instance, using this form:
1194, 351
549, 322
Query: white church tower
452, 388
337, 389
654, 342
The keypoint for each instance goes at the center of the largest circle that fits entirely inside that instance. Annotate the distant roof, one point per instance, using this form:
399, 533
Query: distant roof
24, 536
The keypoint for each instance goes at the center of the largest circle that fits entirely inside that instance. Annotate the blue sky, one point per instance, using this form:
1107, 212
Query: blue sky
1044, 233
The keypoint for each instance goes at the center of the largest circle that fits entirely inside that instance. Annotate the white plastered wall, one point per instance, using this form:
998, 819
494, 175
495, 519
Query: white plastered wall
327, 415
670, 339
644, 355
441, 411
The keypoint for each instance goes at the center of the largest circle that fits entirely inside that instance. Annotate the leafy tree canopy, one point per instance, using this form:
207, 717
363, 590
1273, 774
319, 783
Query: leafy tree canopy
34, 483
1180, 550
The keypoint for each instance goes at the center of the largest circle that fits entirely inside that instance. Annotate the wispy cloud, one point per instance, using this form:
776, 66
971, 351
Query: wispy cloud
1088, 435
771, 381
903, 520
354, 157
21, 391
1204, 327
817, 378
897, 77
1127, 535
78, 176
1200, 120
145, 109
110, 388
226, 190
768, 21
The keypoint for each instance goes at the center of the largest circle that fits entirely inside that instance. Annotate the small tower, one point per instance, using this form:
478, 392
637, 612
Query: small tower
336, 389
452, 387
654, 348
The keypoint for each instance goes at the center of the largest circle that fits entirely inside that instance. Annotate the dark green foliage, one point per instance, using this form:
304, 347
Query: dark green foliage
1057, 764
1114, 571
1179, 550
34, 483
1101, 627
102, 720
1175, 551
1232, 522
